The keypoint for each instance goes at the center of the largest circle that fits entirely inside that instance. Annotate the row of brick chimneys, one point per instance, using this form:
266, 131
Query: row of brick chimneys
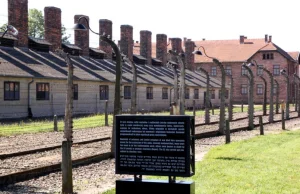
18, 17
242, 39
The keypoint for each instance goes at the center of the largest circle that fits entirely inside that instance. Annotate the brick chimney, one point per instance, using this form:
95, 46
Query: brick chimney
242, 39
270, 38
105, 26
161, 48
190, 57
18, 17
52, 16
126, 44
82, 37
145, 45
176, 44
184, 40
266, 38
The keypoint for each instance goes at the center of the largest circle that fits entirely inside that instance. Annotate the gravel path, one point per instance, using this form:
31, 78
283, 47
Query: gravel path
96, 178
25, 142
30, 161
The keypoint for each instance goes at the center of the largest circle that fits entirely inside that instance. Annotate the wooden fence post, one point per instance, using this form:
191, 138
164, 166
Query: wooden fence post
261, 125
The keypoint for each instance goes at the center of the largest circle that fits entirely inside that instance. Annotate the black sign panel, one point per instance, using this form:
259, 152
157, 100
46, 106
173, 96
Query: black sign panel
153, 145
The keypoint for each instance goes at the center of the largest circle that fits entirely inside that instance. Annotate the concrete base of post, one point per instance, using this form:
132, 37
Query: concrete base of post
261, 126
242, 107
55, 123
227, 132
106, 113
282, 120
66, 168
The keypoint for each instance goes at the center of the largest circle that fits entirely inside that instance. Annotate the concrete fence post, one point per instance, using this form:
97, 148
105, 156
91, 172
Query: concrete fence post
227, 132
194, 107
261, 125
282, 119
242, 107
55, 123
106, 112
66, 168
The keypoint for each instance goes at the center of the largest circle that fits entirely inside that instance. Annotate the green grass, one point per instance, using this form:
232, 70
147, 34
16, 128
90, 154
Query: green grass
265, 164
46, 125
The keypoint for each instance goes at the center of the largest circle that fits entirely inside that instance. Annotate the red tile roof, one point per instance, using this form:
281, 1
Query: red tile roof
227, 50
294, 55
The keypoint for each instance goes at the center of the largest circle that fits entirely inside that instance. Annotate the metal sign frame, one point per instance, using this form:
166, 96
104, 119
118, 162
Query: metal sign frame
130, 133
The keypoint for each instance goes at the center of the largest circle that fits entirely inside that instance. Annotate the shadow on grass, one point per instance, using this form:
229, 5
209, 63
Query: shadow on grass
20, 189
229, 158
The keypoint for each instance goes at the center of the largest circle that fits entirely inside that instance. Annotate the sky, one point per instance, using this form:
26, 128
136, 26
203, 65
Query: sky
194, 19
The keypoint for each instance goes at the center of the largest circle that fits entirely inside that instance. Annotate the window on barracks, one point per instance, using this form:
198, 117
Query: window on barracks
228, 70
11, 91
149, 93
127, 92
259, 89
244, 89
244, 71
196, 93
212, 94
276, 70
75, 91
213, 71
42, 91
268, 56
260, 70
187, 93
104, 92
164, 93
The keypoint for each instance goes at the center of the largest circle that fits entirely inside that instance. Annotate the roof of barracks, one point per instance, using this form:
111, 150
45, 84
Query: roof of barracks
28, 63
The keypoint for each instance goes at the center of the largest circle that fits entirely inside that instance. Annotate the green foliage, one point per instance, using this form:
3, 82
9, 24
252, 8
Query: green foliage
65, 37
36, 26
36, 23
3, 27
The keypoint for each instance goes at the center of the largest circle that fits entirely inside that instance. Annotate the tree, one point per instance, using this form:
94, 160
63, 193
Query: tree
36, 26
65, 37
3, 27
36, 23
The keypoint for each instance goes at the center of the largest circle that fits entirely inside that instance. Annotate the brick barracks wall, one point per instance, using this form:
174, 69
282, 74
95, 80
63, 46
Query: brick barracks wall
239, 80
